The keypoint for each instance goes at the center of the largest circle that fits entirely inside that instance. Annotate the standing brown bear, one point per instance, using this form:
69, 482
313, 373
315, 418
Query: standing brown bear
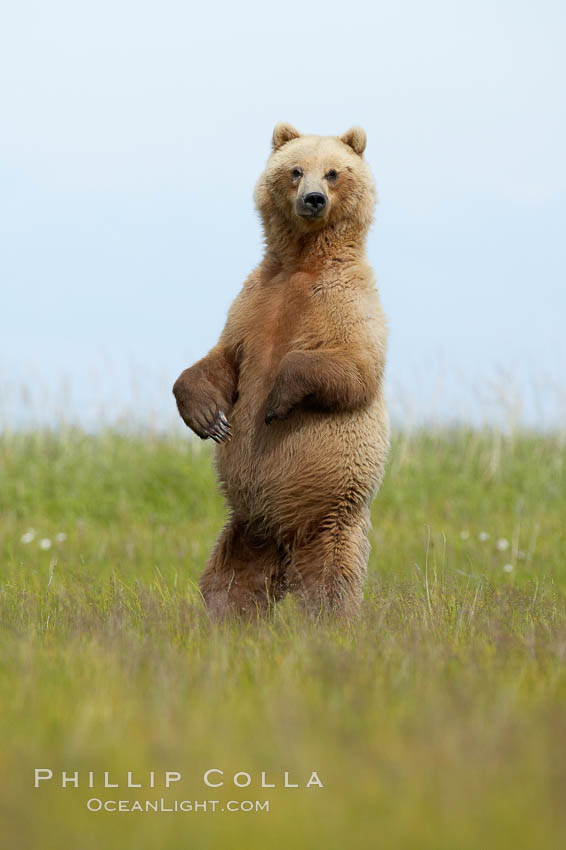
293, 391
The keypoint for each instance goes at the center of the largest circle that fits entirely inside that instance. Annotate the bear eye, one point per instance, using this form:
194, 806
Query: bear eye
331, 176
296, 173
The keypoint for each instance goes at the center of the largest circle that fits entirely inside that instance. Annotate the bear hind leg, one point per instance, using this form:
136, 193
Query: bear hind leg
244, 576
327, 572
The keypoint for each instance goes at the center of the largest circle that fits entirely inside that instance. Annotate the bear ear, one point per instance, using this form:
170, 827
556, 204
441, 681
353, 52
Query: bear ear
282, 134
356, 139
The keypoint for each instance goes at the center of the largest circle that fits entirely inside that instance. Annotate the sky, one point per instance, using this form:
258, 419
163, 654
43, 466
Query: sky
131, 137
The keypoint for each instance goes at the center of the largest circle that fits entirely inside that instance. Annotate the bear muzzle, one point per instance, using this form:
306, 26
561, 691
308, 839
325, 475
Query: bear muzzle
311, 205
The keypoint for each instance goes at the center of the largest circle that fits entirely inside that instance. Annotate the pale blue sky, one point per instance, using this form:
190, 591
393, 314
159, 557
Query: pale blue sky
131, 136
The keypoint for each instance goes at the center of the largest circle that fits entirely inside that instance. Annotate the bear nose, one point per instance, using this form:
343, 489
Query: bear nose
315, 201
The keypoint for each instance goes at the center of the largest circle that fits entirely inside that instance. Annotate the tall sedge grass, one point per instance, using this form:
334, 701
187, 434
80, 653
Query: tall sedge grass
438, 721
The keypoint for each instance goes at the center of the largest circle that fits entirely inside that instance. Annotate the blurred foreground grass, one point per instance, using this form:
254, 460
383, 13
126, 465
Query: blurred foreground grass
438, 722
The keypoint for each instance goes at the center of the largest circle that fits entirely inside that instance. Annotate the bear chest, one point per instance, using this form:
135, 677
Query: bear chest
277, 317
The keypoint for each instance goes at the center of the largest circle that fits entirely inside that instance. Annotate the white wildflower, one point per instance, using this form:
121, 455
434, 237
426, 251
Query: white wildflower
508, 568
45, 543
502, 544
28, 536
483, 536
60, 537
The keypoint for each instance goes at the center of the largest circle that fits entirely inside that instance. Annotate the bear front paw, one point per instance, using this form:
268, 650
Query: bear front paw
201, 410
276, 408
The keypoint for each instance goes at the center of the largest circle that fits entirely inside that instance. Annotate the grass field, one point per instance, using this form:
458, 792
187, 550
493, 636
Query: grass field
437, 723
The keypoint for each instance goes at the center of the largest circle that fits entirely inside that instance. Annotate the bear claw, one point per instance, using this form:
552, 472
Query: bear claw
220, 429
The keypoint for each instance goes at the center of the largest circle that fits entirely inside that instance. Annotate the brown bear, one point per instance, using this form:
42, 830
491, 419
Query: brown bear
293, 391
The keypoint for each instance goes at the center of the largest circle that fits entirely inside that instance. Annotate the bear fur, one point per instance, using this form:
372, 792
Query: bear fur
293, 391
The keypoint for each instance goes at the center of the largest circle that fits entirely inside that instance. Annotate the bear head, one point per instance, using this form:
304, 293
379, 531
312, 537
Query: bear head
315, 183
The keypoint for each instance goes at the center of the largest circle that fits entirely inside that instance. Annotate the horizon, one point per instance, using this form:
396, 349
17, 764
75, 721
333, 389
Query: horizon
117, 143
